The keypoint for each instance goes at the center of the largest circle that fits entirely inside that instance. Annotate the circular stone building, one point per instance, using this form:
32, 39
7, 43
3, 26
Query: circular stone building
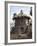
22, 26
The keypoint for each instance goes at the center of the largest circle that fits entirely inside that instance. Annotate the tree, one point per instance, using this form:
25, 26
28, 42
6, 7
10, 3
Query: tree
31, 11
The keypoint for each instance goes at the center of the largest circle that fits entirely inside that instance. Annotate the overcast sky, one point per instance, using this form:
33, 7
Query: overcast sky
17, 9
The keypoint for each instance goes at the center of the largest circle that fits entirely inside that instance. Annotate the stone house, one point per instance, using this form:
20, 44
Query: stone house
22, 25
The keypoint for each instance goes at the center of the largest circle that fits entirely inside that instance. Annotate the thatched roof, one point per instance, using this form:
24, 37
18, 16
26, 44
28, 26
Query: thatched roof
22, 16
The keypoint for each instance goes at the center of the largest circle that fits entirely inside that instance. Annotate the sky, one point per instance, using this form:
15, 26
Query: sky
17, 9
